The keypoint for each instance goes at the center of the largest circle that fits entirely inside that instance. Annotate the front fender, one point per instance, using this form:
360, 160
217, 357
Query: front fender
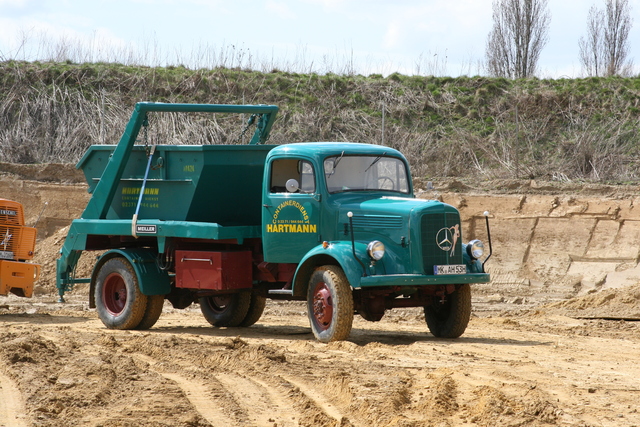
151, 279
341, 254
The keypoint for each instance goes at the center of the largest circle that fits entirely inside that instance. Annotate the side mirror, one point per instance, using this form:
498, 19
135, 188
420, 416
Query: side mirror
292, 185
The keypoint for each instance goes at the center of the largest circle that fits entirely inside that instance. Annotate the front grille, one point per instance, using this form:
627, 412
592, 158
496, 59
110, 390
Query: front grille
9, 238
433, 231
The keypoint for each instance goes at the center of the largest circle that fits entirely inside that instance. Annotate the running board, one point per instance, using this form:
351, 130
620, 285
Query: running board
280, 292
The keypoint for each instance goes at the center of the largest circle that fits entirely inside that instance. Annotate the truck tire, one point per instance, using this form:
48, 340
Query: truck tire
152, 312
119, 302
449, 319
256, 308
330, 304
226, 310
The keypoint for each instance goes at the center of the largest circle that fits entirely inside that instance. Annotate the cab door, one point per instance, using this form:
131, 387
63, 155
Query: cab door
291, 210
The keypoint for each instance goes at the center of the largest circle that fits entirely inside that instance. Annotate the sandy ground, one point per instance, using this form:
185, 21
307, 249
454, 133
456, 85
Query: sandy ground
61, 367
554, 339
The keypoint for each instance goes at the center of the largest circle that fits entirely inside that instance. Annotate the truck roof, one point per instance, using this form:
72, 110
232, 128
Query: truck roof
321, 150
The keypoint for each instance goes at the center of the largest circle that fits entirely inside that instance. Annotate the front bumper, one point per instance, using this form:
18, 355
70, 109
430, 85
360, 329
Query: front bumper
422, 280
18, 277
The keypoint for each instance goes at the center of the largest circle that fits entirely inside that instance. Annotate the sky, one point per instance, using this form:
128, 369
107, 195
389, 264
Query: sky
424, 37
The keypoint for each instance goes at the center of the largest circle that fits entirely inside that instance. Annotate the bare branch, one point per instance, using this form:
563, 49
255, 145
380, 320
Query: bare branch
606, 47
616, 34
592, 53
520, 32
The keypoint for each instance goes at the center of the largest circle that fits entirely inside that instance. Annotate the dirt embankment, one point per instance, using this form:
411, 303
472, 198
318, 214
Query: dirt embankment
538, 351
553, 243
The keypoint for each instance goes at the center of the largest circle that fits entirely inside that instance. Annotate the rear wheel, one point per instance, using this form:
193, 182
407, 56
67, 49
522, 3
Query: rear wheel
119, 302
330, 304
152, 312
450, 318
226, 310
256, 308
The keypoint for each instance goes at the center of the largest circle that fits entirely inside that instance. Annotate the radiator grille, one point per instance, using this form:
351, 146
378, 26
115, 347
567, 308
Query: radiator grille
433, 232
9, 238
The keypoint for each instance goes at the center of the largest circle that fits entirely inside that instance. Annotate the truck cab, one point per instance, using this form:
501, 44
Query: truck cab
351, 206
312, 186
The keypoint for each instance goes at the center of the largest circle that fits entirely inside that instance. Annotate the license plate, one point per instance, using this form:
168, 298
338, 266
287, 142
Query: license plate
6, 254
450, 269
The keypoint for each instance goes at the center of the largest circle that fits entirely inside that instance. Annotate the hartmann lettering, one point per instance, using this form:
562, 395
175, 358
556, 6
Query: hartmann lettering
292, 228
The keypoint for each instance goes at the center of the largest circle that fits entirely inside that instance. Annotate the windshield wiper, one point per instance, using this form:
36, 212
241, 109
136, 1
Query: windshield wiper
375, 161
335, 164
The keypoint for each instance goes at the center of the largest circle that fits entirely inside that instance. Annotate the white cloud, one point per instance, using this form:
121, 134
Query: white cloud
13, 3
393, 35
329, 4
281, 9
32, 39
211, 4
444, 25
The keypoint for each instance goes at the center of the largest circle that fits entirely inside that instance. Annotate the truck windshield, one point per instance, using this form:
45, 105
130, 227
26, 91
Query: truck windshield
365, 173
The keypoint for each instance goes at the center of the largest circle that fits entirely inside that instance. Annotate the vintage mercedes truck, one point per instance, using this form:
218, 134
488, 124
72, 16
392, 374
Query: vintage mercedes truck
228, 226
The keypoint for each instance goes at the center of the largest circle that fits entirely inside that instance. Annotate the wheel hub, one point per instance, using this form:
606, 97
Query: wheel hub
114, 293
322, 306
219, 303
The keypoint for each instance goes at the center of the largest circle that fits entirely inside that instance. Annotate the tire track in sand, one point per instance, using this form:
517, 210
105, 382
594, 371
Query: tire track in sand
202, 399
251, 401
12, 410
264, 405
199, 394
321, 402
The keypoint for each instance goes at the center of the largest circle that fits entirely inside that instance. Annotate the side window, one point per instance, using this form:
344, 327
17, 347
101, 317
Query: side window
283, 170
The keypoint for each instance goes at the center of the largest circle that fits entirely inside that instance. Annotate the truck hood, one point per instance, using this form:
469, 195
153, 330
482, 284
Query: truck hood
391, 206
387, 218
406, 226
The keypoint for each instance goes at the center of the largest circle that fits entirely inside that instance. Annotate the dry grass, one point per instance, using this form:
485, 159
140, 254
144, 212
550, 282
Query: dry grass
580, 129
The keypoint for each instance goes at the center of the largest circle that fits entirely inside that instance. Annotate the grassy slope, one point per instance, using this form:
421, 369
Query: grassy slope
465, 126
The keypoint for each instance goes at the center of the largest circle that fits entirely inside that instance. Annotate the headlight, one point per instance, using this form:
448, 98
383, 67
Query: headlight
475, 249
375, 250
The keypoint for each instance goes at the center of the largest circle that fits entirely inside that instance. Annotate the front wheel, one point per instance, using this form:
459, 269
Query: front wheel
119, 302
330, 304
449, 318
226, 310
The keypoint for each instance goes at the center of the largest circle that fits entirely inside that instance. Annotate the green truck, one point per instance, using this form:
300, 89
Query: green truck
228, 226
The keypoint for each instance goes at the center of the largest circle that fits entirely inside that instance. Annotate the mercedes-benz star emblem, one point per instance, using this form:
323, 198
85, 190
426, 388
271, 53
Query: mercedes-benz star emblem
5, 241
447, 238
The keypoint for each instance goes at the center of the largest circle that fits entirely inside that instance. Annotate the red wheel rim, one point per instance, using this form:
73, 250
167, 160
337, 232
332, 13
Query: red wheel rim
219, 303
322, 306
114, 293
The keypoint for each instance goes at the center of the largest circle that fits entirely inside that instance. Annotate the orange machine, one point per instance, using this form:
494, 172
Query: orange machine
17, 243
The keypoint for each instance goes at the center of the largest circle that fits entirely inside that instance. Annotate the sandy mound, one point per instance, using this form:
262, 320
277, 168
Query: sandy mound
47, 254
622, 303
